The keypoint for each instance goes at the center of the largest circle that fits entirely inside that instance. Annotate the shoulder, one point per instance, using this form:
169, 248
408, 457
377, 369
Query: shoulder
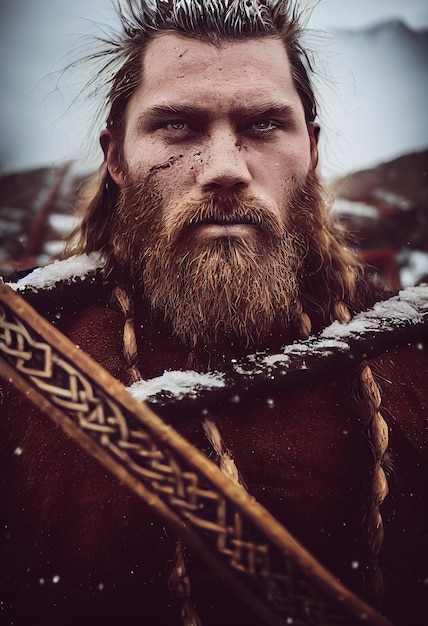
76, 279
74, 296
402, 375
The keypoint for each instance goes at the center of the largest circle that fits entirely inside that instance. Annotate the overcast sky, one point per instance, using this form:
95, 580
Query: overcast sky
39, 127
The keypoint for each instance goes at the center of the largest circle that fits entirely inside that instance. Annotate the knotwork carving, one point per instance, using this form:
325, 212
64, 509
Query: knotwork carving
240, 541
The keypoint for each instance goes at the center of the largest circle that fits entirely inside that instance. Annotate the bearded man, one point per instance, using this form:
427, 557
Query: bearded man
212, 240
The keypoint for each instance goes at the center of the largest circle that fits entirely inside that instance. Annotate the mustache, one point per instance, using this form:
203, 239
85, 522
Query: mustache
224, 208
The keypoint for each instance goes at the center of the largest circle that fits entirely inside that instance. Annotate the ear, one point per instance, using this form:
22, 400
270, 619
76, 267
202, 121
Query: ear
314, 130
112, 158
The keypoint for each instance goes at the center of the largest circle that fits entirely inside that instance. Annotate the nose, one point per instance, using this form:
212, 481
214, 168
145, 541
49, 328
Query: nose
224, 163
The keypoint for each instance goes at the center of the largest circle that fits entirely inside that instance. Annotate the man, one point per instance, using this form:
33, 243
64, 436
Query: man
215, 242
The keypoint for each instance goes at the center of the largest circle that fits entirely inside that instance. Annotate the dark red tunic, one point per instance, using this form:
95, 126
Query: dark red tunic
77, 548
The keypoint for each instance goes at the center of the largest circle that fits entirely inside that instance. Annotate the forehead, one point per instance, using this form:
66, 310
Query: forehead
178, 69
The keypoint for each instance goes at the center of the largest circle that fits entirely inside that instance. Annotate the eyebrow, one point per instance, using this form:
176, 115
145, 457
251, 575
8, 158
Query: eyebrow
163, 111
265, 110
199, 113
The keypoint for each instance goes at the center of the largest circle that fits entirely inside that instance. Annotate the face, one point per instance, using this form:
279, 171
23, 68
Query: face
221, 118
215, 160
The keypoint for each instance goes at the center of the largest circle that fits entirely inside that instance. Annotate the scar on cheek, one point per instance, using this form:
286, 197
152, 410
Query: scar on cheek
173, 160
165, 164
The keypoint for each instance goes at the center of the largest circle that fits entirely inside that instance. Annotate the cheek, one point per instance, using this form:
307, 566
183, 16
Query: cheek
140, 157
276, 177
171, 168
291, 161
173, 180
296, 159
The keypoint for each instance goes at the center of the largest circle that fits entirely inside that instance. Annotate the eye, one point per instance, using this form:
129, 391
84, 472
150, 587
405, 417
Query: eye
264, 126
176, 126
175, 131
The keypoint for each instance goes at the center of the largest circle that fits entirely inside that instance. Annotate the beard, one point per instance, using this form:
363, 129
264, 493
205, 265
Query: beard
221, 290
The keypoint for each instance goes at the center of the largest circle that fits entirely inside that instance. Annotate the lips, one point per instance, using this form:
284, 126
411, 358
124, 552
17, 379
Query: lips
231, 221
223, 215
223, 228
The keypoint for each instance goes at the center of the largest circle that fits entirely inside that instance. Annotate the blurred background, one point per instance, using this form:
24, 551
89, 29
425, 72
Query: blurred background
372, 80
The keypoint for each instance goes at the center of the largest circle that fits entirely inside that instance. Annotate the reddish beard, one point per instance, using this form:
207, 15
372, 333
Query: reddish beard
216, 289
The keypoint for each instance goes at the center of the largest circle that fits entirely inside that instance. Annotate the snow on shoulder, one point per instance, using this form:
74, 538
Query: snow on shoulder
175, 385
408, 307
336, 344
71, 269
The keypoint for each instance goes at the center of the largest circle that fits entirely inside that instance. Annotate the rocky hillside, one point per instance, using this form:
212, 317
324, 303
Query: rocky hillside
386, 210
36, 214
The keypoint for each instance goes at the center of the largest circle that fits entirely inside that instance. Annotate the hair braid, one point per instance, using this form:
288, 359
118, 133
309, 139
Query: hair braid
303, 321
179, 584
226, 461
123, 300
179, 581
377, 431
374, 425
